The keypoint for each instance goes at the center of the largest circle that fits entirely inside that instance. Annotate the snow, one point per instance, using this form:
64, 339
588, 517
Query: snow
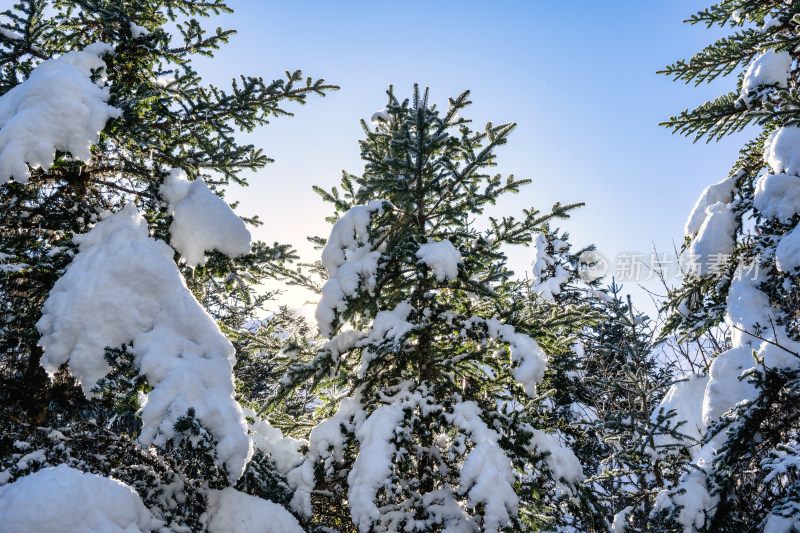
782, 150
719, 192
442, 257
380, 116
349, 261
724, 389
686, 398
777, 196
123, 286
57, 108
373, 466
694, 501
487, 475
549, 287
770, 23
9, 34
564, 465
619, 525
781, 524
747, 308
139, 31
715, 239
787, 254
232, 511
64, 500
531, 361
768, 69
388, 325
283, 451
326, 442
202, 221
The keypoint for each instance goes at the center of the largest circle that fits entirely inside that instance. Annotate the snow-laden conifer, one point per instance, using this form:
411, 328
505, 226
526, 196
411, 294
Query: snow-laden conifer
749, 419
429, 378
115, 359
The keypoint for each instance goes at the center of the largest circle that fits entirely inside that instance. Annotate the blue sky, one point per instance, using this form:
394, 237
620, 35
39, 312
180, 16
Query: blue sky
577, 77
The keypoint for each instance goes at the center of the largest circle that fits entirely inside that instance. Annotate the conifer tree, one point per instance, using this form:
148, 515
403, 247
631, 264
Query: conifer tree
100, 108
740, 237
430, 385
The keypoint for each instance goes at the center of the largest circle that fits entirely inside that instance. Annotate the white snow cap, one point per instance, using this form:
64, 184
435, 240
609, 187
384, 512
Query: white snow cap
777, 196
724, 389
719, 192
123, 286
442, 257
57, 108
373, 466
232, 511
63, 500
686, 398
202, 221
768, 69
561, 461
389, 325
715, 240
139, 31
787, 255
748, 307
380, 116
326, 441
284, 451
487, 476
548, 287
531, 361
782, 150
349, 260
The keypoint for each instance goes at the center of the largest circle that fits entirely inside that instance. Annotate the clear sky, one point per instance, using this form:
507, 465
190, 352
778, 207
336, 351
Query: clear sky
577, 77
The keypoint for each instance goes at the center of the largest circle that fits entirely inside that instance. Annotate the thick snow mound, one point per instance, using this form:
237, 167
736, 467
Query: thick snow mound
719, 192
686, 398
487, 476
350, 261
441, 257
564, 465
724, 389
284, 451
373, 466
232, 511
782, 150
202, 221
777, 196
57, 108
787, 255
748, 308
768, 69
65, 500
123, 286
715, 240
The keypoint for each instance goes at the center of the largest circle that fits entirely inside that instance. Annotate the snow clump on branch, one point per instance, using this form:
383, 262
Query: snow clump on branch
58, 107
124, 287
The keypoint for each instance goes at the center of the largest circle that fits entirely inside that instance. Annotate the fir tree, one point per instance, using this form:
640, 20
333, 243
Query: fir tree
743, 478
164, 136
430, 383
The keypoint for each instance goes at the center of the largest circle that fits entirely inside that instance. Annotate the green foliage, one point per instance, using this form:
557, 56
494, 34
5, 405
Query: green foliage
170, 119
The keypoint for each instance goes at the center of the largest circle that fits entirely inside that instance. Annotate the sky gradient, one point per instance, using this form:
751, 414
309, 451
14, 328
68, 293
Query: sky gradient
578, 78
